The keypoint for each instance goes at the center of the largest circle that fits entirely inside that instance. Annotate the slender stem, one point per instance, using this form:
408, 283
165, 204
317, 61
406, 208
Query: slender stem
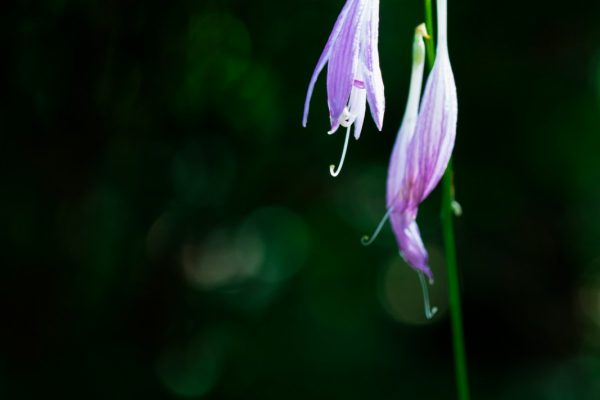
460, 359
429, 43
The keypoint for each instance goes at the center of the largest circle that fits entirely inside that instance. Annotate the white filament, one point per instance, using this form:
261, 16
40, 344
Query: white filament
332, 170
366, 240
429, 311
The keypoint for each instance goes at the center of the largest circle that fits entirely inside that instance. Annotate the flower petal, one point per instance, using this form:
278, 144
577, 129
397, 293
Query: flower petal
357, 106
397, 168
435, 132
370, 59
343, 62
397, 194
337, 27
409, 241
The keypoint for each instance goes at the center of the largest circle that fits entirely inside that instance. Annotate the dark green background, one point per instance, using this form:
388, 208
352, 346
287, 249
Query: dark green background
169, 230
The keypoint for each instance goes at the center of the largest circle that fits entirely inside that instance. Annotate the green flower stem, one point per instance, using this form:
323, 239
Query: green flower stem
429, 43
460, 359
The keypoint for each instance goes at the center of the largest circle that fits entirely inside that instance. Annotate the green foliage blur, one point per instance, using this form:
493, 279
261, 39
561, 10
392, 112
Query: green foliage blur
169, 231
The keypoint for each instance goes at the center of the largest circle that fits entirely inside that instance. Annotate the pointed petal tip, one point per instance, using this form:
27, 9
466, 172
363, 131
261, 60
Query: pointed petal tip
427, 271
421, 266
334, 127
305, 113
410, 243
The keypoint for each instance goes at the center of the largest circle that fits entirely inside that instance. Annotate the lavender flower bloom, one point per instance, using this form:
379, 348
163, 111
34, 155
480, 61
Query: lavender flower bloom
353, 73
397, 194
428, 153
422, 150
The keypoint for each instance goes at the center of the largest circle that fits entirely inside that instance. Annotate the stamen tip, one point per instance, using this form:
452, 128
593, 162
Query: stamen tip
429, 310
333, 172
432, 313
332, 168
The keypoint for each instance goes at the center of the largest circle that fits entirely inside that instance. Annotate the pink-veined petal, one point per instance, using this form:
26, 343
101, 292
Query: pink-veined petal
370, 59
397, 194
343, 62
410, 242
435, 132
337, 27
397, 168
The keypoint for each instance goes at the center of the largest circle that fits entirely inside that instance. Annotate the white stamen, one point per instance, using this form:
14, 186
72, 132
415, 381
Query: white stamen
429, 311
332, 169
365, 240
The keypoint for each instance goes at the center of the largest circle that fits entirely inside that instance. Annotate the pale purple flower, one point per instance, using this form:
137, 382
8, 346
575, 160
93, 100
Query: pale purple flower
422, 149
399, 191
427, 155
353, 73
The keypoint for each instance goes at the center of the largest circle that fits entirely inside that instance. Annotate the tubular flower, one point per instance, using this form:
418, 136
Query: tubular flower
398, 195
422, 150
353, 73
427, 154
401, 205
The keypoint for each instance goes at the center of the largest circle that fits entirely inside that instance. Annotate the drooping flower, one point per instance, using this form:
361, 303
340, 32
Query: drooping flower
353, 73
428, 152
399, 192
396, 193
422, 150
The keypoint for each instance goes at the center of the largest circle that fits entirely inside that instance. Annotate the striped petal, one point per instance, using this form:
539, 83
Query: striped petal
370, 59
410, 243
343, 63
435, 132
337, 27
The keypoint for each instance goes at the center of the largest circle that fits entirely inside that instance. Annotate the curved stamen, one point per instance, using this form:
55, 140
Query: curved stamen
366, 240
332, 169
429, 311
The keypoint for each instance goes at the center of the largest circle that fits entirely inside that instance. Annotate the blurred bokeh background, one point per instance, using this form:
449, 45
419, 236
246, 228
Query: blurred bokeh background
170, 231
